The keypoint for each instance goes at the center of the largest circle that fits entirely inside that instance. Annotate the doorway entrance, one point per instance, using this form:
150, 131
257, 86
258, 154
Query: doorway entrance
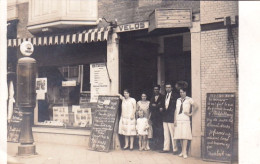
177, 61
138, 67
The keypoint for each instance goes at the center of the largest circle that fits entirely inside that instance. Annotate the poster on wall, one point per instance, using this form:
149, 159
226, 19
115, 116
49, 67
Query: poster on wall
99, 81
41, 88
82, 116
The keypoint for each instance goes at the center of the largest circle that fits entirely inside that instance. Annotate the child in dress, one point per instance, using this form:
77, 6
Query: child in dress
143, 105
142, 130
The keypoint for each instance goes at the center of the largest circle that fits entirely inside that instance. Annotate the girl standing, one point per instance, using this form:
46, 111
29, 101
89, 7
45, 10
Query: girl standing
127, 121
142, 130
143, 105
182, 120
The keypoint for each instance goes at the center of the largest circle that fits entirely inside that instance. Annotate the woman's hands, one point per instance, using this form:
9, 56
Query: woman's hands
188, 114
120, 96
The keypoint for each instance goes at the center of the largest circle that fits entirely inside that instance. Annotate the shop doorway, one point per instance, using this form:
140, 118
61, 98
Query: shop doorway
138, 67
177, 61
177, 66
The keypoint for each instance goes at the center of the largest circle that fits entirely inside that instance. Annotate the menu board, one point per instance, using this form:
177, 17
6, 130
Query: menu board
14, 127
219, 127
103, 123
99, 81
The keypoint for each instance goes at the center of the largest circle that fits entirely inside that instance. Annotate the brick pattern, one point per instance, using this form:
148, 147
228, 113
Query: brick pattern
218, 72
128, 11
210, 10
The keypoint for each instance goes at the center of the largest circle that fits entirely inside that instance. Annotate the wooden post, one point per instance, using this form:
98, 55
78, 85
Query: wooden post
113, 69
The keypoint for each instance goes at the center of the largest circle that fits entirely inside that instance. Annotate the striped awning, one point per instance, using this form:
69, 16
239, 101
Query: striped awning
87, 36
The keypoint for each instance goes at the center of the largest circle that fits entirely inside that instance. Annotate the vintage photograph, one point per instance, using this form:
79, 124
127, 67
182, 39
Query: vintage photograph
129, 81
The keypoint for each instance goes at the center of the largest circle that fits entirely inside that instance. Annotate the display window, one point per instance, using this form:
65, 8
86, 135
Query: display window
63, 96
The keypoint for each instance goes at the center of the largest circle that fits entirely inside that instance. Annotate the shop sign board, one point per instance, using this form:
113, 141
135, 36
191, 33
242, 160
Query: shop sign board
14, 127
71, 83
103, 123
219, 127
132, 27
170, 18
99, 81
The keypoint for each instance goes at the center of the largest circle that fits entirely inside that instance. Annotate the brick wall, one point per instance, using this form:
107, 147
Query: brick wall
210, 10
128, 11
218, 71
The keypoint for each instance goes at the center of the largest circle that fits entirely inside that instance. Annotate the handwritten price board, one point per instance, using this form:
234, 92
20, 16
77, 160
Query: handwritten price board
14, 127
103, 123
219, 127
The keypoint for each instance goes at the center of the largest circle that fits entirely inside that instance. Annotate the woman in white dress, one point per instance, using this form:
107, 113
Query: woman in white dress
127, 123
182, 120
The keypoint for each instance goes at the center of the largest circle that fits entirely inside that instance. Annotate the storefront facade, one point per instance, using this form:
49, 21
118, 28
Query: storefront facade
132, 56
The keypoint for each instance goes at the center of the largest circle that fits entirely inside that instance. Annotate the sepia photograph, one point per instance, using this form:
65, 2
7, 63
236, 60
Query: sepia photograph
122, 81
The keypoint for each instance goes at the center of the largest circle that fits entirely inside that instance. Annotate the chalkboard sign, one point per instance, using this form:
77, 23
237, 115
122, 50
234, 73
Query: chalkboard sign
103, 123
14, 127
219, 127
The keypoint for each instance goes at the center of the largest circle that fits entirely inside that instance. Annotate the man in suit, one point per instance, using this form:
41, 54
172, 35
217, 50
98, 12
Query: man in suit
168, 118
156, 105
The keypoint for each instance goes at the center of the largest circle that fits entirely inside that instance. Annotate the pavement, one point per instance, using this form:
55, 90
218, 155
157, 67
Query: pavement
67, 154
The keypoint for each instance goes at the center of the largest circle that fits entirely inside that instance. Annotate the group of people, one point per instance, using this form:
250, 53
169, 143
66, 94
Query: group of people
165, 118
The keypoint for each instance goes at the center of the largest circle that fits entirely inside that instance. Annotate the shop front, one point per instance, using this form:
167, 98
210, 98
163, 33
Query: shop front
73, 69
72, 72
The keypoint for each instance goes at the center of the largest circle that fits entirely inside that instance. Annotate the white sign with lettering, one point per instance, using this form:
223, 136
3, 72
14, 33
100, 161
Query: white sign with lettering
132, 26
99, 81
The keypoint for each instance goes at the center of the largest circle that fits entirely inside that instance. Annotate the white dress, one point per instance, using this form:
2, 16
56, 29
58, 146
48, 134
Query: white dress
141, 126
183, 129
144, 106
126, 124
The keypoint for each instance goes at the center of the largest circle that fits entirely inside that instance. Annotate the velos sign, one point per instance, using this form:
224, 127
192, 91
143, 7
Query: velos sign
132, 26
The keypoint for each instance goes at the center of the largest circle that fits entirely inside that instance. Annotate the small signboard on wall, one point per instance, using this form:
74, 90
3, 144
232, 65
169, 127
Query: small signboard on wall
170, 18
219, 127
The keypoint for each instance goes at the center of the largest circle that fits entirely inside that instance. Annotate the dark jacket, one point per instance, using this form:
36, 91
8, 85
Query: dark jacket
168, 115
156, 115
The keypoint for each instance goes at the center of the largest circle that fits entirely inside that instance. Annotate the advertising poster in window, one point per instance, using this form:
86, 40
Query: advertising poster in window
41, 88
99, 81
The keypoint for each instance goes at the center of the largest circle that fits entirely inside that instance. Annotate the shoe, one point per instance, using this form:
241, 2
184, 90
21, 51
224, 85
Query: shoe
125, 148
131, 148
140, 149
148, 148
175, 150
164, 151
180, 155
185, 156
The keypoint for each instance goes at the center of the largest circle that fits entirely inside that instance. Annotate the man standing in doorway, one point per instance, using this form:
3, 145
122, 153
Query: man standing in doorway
156, 106
168, 118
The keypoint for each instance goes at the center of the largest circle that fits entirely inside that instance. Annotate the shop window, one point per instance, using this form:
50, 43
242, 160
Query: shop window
61, 104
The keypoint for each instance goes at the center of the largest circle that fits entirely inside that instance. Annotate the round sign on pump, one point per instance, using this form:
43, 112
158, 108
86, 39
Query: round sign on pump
26, 48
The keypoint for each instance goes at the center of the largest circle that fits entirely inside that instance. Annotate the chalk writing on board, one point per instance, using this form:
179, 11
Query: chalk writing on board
220, 109
103, 123
14, 127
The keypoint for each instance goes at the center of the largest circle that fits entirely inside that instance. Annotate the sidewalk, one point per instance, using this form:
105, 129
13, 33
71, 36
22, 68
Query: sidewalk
64, 154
